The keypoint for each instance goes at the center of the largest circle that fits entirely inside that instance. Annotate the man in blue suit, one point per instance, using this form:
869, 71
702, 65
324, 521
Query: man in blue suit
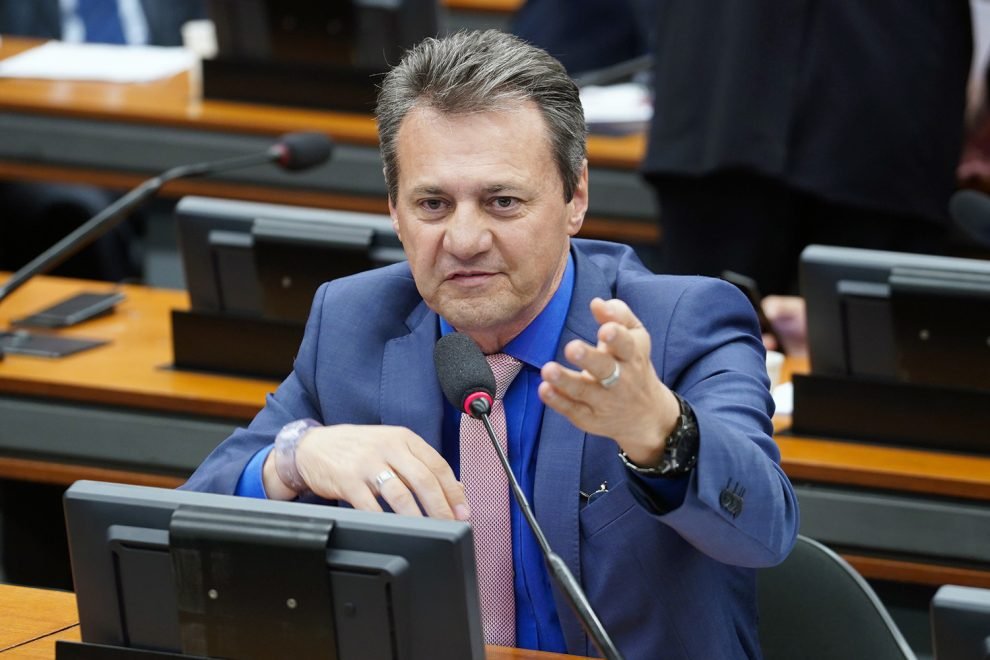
154, 22
639, 423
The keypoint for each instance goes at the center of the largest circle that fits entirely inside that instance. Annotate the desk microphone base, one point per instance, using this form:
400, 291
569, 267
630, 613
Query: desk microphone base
888, 412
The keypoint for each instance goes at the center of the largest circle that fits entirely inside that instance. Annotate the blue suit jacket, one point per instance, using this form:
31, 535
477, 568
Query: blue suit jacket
678, 584
43, 18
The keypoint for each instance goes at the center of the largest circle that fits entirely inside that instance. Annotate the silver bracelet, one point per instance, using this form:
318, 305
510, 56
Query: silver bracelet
285, 452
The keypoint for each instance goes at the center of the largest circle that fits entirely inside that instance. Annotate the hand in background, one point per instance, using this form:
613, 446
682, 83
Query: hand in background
789, 322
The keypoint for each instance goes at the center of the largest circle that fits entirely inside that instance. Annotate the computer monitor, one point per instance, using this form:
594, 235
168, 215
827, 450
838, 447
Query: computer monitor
267, 260
327, 54
960, 618
223, 576
899, 346
360, 33
889, 315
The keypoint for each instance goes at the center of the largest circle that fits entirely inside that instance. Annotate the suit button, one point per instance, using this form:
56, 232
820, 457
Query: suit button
731, 502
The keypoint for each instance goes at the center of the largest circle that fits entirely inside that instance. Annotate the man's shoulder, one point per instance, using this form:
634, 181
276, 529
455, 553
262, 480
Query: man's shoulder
394, 279
378, 294
624, 272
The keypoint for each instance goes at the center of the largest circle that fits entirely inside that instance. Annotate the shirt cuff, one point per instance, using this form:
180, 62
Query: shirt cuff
661, 494
252, 483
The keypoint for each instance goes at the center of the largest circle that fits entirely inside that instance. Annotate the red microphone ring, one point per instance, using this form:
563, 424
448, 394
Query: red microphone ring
470, 398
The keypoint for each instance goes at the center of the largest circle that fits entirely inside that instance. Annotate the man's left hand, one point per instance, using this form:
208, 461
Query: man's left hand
638, 411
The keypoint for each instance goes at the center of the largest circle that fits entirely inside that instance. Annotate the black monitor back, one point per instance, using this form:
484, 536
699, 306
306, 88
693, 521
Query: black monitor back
252, 269
326, 54
222, 576
899, 346
267, 260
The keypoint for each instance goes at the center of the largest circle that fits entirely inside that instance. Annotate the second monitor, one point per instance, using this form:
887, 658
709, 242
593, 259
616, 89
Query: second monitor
252, 269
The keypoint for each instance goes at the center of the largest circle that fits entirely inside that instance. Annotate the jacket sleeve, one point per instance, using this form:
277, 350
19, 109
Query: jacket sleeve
739, 508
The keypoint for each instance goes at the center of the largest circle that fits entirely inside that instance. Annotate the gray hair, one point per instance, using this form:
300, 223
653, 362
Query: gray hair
483, 71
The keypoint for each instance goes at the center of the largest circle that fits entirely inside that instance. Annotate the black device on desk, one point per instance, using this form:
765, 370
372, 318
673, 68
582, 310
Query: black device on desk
252, 269
72, 310
899, 346
325, 54
67, 312
221, 576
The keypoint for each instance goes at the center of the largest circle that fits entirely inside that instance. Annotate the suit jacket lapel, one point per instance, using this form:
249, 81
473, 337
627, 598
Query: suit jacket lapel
558, 475
417, 402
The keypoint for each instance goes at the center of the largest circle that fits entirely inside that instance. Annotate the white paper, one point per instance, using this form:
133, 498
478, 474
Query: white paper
783, 398
626, 106
58, 60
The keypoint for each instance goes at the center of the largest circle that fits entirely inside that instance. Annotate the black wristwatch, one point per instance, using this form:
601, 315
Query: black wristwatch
681, 451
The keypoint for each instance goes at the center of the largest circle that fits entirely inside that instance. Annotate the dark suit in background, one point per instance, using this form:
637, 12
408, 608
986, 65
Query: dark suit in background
587, 34
779, 124
42, 18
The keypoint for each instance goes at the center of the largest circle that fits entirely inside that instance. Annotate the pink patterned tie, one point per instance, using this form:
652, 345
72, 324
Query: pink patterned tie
487, 490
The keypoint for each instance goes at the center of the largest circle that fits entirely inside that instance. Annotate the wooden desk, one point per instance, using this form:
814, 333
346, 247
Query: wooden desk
32, 620
32, 614
116, 135
118, 413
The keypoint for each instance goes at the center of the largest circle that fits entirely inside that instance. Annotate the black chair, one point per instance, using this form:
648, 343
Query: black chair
815, 606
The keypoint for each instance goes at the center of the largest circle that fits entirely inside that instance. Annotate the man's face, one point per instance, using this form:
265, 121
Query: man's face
480, 211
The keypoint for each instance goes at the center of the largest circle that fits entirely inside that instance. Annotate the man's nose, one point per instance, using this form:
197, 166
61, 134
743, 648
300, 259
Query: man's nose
468, 232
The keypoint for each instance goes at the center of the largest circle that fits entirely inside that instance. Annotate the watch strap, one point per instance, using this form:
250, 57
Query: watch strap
285, 452
680, 453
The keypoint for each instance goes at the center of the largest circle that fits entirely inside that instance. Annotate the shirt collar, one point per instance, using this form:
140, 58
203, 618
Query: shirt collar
537, 343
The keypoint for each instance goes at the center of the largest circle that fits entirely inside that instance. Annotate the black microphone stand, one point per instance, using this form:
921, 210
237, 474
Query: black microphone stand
109, 217
572, 590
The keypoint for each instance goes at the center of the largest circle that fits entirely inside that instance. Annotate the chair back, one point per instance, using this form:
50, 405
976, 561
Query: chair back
815, 606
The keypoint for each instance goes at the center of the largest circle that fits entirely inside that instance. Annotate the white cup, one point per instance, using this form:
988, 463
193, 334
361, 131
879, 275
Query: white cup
775, 367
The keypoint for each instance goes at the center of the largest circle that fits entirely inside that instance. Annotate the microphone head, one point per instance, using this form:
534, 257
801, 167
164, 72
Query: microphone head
970, 210
303, 150
464, 374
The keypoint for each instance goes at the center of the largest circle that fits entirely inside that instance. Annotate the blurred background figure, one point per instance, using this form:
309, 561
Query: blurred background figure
36, 215
141, 22
776, 126
587, 34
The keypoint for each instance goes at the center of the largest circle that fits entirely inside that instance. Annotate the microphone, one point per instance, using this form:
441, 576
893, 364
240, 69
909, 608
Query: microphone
293, 152
469, 384
970, 210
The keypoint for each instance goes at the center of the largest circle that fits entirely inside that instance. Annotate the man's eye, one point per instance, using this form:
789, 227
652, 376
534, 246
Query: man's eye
432, 204
504, 202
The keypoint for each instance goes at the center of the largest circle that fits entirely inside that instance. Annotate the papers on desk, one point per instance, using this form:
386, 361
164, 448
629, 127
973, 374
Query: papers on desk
57, 60
783, 398
623, 108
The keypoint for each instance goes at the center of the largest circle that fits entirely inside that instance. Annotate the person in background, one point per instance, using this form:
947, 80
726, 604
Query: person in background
634, 407
586, 35
136, 22
776, 126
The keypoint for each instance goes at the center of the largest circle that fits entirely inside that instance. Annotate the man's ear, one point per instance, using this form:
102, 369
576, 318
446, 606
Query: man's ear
395, 218
579, 202
391, 210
